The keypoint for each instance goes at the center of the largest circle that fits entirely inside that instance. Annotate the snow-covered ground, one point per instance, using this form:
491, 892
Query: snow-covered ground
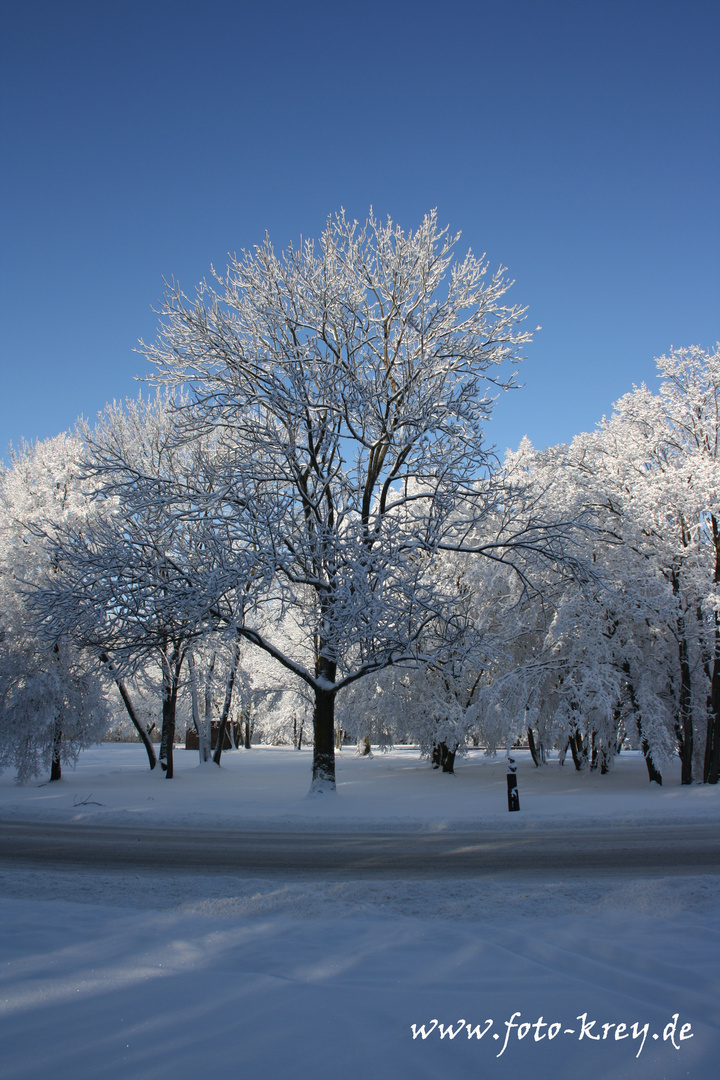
155, 975
269, 786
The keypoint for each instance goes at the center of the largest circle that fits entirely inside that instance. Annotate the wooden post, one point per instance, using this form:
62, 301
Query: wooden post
512, 788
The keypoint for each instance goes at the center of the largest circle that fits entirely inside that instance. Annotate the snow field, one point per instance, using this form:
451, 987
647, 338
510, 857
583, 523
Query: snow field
99, 991
158, 976
269, 785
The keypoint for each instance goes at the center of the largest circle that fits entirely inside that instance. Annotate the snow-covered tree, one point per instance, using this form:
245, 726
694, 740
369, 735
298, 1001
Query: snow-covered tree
613, 643
346, 385
51, 701
690, 394
634, 651
125, 584
663, 449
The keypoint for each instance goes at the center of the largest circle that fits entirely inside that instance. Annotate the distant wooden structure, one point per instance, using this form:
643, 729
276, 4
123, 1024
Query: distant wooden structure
193, 743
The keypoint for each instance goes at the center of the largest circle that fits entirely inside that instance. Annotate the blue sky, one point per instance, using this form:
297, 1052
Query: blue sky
577, 143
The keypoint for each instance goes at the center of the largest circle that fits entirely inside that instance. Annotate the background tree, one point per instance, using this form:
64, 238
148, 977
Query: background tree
51, 701
662, 452
124, 587
634, 652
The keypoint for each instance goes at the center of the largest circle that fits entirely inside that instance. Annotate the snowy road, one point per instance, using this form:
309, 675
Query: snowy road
614, 849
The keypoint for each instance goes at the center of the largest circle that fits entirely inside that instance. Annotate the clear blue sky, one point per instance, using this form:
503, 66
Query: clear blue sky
578, 143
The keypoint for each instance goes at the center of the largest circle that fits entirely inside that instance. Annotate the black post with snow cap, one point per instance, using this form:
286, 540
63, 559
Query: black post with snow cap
512, 788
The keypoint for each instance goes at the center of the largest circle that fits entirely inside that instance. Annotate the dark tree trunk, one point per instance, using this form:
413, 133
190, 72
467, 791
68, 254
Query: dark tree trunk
577, 750
323, 774
171, 678
227, 703
167, 739
533, 748
593, 751
55, 766
711, 770
443, 758
323, 771
149, 748
653, 775
448, 765
685, 721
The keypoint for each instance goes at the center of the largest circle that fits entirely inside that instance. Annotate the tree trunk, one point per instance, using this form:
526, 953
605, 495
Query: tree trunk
711, 765
207, 718
448, 765
167, 739
323, 774
227, 702
55, 766
653, 775
202, 727
144, 736
533, 748
171, 678
149, 748
323, 770
579, 751
605, 760
443, 757
711, 770
593, 750
685, 720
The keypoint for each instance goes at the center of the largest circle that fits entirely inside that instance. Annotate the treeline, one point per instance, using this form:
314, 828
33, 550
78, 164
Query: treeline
309, 512
628, 652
